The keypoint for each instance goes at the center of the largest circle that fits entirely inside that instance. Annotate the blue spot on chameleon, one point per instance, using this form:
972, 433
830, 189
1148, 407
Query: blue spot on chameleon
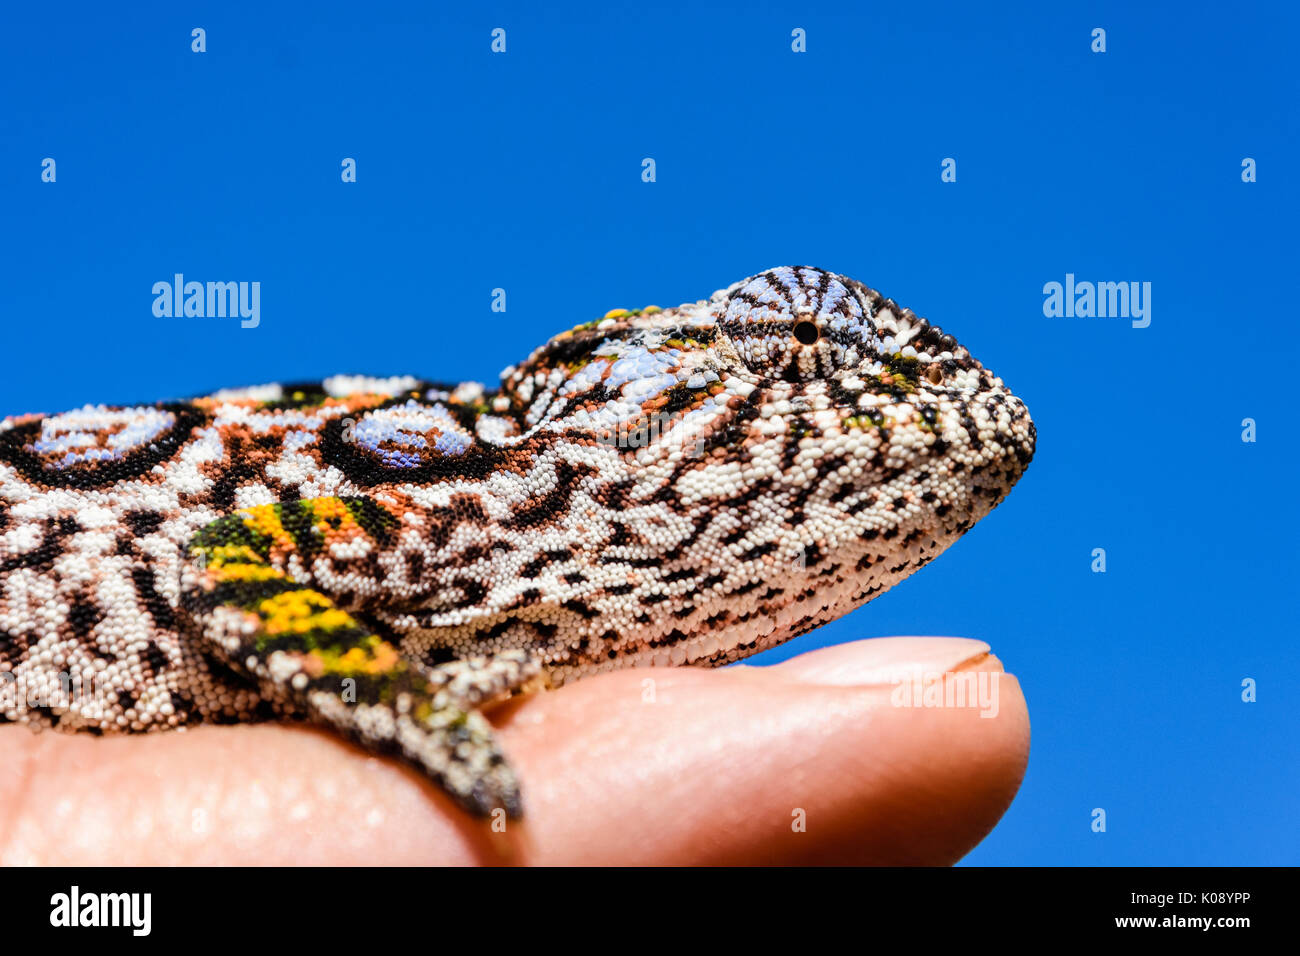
411, 435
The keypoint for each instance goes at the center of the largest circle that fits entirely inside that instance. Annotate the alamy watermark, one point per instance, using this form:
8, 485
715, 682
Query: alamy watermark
211, 300
1102, 300
63, 692
130, 910
950, 689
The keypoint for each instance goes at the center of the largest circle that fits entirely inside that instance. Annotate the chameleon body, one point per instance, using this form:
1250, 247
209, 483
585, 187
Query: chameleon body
389, 556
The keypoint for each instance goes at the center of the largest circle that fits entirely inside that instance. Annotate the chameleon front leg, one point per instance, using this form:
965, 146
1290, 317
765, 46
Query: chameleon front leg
249, 589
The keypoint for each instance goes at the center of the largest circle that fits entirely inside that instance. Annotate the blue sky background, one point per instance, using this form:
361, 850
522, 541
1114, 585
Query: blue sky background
522, 171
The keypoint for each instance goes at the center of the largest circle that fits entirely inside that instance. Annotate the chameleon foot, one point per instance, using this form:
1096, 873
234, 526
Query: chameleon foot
305, 650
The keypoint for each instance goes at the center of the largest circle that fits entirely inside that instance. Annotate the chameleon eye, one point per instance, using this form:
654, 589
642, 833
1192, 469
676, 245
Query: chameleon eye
934, 375
796, 323
806, 332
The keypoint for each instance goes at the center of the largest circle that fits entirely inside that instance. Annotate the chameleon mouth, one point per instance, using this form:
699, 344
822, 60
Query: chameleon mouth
1028, 445
1015, 439
1021, 433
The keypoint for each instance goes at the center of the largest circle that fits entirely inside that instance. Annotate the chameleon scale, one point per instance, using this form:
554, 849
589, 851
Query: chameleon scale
388, 556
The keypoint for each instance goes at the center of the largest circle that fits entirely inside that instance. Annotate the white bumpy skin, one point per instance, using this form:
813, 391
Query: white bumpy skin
767, 460
660, 486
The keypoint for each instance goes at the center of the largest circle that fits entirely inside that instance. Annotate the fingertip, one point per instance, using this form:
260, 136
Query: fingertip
797, 763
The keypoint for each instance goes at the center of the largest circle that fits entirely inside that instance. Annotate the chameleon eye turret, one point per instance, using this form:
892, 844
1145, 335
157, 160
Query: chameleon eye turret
388, 557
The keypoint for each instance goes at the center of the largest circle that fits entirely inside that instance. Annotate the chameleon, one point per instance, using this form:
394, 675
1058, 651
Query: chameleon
390, 557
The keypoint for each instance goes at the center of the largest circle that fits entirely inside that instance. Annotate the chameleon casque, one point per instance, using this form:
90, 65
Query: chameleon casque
388, 556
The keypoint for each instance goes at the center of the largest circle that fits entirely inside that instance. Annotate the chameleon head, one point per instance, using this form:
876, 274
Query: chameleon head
784, 450
873, 401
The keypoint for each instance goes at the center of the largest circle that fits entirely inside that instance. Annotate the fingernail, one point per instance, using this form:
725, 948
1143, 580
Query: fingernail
885, 660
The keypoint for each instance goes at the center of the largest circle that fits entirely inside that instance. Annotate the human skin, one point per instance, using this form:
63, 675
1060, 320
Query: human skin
808, 761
